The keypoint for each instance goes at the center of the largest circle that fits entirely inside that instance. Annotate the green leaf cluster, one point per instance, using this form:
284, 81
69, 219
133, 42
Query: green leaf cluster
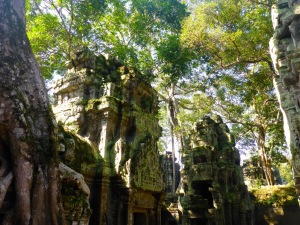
128, 30
56, 28
229, 32
40, 30
274, 196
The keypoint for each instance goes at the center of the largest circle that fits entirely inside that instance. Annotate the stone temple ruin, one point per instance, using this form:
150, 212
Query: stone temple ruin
285, 52
112, 172
109, 115
212, 189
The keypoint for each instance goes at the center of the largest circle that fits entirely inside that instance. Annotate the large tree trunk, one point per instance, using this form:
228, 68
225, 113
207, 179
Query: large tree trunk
264, 158
173, 122
29, 191
176, 128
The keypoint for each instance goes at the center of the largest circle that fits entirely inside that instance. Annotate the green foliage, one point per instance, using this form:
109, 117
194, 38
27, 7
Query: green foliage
48, 51
199, 105
286, 174
131, 30
128, 30
56, 28
229, 32
219, 64
170, 198
274, 196
168, 12
173, 60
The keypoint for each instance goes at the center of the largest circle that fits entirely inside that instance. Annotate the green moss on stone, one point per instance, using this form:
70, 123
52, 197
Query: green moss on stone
85, 156
92, 104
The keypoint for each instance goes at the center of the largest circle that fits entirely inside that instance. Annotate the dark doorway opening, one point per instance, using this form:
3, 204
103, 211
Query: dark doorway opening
139, 219
199, 221
172, 222
202, 188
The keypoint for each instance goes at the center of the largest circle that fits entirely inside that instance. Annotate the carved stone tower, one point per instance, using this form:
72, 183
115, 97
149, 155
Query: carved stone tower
114, 110
212, 189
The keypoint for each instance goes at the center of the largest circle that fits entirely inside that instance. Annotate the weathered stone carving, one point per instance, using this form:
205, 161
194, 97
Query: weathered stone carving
285, 52
110, 114
212, 189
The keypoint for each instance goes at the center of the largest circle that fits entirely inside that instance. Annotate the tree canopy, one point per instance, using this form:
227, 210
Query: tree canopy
127, 30
203, 57
234, 38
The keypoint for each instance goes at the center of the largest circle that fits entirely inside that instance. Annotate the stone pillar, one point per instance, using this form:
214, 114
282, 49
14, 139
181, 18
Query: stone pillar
130, 215
104, 202
157, 213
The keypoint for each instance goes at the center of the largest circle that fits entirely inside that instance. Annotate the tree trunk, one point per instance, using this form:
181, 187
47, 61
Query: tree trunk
264, 158
173, 123
29, 191
173, 111
172, 118
173, 160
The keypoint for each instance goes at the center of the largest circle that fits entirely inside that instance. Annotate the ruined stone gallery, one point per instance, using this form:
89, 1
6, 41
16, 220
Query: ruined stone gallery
108, 148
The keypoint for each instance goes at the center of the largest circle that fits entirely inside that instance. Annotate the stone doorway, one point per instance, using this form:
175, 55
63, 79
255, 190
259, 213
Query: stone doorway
199, 221
139, 218
201, 188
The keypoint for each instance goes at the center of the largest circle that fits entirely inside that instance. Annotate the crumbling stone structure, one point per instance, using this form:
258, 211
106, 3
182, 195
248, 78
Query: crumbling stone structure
111, 111
212, 189
254, 173
168, 170
285, 52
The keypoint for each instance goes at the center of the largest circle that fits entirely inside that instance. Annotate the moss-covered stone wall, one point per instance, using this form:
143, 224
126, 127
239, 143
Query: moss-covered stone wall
212, 188
109, 115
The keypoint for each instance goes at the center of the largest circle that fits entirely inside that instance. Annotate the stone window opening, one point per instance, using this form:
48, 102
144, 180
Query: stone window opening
200, 159
203, 188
